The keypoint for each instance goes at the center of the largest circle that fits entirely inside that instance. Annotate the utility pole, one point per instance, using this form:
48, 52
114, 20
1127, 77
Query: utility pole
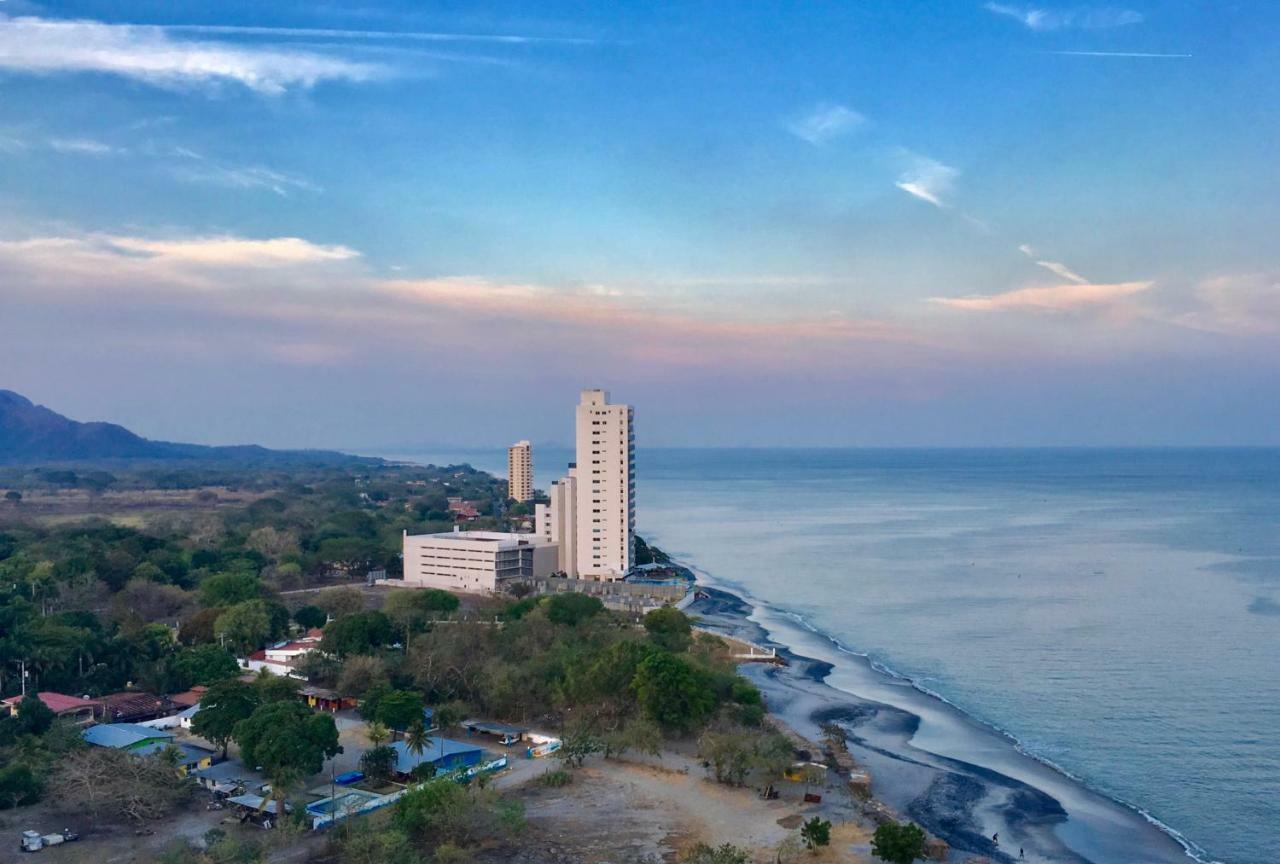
22, 666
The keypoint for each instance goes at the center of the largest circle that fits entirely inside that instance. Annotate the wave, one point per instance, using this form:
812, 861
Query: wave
1190, 847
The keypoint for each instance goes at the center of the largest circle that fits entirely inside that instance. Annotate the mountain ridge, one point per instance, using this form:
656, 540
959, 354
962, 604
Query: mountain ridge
30, 432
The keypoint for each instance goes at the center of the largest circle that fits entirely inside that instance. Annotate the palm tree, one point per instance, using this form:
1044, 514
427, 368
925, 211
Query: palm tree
378, 734
415, 738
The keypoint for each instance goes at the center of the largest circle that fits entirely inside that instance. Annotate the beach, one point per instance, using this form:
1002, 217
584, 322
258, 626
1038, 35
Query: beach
929, 762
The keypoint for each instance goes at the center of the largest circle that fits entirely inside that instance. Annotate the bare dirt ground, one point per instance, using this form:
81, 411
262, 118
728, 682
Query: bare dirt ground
636, 812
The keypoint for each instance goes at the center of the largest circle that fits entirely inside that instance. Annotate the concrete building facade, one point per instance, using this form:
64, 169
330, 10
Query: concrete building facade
520, 471
557, 521
605, 488
475, 561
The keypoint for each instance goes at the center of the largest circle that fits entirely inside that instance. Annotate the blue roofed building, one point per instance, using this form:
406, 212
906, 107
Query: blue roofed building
443, 753
190, 757
125, 736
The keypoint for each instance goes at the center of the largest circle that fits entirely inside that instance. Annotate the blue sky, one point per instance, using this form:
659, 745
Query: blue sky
867, 223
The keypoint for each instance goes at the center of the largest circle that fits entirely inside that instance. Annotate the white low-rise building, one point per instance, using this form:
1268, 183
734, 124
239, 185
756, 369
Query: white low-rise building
475, 561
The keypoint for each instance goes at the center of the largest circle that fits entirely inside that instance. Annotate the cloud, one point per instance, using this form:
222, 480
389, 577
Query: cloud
1078, 18
227, 251
196, 168
379, 35
612, 310
825, 122
83, 146
1242, 304
928, 179
1055, 267
70, 260
1053, 298
147, 53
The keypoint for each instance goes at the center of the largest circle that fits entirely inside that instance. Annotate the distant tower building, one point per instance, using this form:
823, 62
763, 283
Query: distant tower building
520, 471
606, 509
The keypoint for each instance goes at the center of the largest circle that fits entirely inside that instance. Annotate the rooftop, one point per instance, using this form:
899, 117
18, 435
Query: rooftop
436, 749
57, 702
120, 735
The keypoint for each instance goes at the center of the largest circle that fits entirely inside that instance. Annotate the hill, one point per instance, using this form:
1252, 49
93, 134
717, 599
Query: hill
34, 433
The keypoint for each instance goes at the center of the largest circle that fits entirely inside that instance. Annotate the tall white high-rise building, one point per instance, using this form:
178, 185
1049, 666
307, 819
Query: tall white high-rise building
606, 503
520, 471
591, 511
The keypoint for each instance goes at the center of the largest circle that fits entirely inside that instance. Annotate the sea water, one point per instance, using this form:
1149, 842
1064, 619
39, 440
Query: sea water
1117, 612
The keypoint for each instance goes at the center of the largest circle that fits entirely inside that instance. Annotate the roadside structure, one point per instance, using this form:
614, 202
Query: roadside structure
72, 709
282, 657
475, 561
520, 471
444, 754
125, 736
131, 706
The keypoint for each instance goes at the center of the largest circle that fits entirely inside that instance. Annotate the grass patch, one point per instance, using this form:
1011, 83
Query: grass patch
556, 779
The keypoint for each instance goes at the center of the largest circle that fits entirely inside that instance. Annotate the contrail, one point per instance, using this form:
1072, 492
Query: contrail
1122, 54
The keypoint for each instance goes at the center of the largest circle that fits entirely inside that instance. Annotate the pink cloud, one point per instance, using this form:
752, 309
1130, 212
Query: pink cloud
1052, 298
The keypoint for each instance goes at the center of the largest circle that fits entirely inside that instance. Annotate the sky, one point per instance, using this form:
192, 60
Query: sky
379, 225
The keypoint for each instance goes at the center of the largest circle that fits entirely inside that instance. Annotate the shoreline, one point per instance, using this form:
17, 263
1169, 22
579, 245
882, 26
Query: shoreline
959, 778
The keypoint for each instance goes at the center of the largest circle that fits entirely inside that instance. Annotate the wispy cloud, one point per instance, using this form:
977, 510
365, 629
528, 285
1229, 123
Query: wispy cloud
1053, 298
150, 54
230, 251
379, 35
1134, 54
928, 179
825, 122
197, 168
88, 251
1238, 304
1055, 267
600, 307
83, 147
1081, 17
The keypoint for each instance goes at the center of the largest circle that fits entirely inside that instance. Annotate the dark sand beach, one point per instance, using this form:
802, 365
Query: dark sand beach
963, 781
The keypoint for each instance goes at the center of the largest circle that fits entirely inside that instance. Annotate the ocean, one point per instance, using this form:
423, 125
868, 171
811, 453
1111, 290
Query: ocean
1115, 612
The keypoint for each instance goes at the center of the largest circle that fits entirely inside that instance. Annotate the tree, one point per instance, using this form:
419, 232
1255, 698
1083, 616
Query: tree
357, 633
276, 688
360, 674
816, 832
378, 762
288, 741
311, 617
377, 733
415, 737
637, 734
701, 853
222, 707
897, 843
244, 626
19, 786
228, 589
200, 627
340, 601
34, 717
204, 664
105, 781
571, 609
400, 709
673, 693
577, 743
443, 811
669, 628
